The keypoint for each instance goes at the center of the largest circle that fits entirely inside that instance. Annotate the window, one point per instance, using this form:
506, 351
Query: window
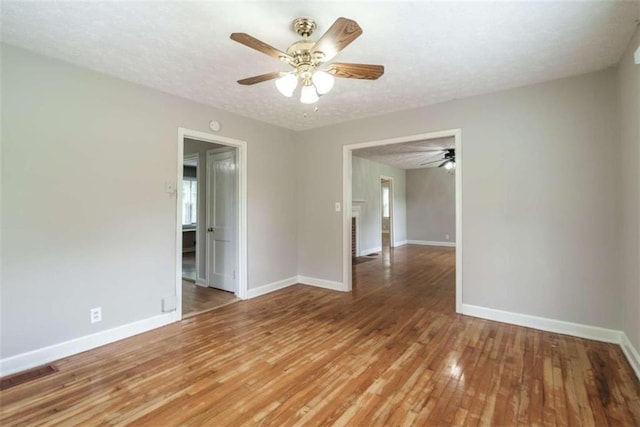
189, 201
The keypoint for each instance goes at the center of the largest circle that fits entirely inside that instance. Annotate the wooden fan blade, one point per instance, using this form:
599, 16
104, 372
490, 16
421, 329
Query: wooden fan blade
356, 71
261, 78
260, 46
337, 37
443, 163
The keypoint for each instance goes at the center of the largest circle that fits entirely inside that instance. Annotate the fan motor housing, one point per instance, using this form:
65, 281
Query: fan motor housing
303, 59
300, 47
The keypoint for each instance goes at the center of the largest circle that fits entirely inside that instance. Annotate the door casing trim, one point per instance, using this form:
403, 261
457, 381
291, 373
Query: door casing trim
241, 250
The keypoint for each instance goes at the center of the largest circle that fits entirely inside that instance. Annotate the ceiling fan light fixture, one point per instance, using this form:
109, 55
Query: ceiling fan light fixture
450, 165
306, 56
323, 82
287, 84
308, 94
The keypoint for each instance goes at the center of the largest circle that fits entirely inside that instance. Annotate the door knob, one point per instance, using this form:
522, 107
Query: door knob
210, 229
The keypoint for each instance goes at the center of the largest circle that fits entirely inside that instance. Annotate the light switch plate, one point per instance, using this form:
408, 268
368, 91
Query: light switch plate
337, 206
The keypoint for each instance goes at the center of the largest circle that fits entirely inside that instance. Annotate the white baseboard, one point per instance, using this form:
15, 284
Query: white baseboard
322, 283
272, 287
364, 252
31, 359
400, 243
633, 356
544, 324
305, 280
202, 282
431, 243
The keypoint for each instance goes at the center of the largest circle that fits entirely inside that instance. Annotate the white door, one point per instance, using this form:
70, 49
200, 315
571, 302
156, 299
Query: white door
221, 220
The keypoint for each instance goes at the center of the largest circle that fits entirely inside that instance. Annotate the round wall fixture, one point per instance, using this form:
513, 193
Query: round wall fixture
214, 125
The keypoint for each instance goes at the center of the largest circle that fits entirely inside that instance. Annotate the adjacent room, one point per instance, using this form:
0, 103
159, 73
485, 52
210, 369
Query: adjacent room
403, 208
320, 213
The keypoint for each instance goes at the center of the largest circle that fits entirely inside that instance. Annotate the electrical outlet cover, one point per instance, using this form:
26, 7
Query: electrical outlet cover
96, 314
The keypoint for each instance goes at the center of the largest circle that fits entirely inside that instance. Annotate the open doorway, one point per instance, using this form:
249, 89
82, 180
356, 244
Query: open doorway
211, 222
378, 177
386, 212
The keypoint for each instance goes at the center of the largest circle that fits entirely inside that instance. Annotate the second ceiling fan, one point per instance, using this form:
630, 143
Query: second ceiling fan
448, 161
308, 59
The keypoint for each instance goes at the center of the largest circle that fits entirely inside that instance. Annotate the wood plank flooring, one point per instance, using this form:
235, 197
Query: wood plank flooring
393, 352
198, 299
189, 266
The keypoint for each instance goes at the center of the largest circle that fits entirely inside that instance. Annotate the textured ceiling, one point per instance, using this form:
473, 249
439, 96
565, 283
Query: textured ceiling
408, 155
432, 51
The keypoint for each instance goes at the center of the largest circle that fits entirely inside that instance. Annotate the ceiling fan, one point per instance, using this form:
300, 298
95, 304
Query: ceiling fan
448, 161
308, 58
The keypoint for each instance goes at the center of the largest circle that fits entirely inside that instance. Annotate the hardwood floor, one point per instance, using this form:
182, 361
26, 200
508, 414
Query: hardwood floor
189, 266
197, 299
393, 352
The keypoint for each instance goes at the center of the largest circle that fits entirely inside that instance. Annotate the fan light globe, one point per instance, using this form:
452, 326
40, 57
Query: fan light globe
323, 81
308, 94
287, 84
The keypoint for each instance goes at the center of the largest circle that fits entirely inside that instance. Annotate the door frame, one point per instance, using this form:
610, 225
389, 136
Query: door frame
347, 152
198, 231
241, 249
391, 215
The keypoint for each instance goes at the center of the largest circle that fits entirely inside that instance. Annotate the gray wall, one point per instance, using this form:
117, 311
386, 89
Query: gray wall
365, 185
431, 205
83, 227
540, 231
629, 158
543, 233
